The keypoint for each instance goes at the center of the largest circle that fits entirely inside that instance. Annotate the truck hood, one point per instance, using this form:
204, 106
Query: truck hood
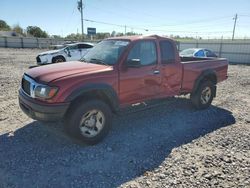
48, 73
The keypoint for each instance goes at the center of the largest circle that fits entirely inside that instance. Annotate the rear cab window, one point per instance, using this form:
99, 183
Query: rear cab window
167, 52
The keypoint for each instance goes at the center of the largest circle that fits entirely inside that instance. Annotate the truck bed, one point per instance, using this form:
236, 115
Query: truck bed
193, 67
192, 59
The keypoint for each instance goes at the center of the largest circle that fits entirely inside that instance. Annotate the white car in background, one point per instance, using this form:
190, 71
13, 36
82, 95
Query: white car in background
71, 52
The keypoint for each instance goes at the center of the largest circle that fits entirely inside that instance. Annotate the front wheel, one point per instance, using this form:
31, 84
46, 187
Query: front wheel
89, 121
58, 59
204, 95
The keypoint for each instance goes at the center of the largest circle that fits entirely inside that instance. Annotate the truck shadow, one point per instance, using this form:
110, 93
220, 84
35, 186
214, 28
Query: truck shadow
42, 155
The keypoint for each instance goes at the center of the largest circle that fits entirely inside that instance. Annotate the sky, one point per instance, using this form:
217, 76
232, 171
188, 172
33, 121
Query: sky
207, 19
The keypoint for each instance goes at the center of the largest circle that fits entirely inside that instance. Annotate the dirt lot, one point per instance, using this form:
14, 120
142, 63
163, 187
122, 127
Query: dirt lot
171, 145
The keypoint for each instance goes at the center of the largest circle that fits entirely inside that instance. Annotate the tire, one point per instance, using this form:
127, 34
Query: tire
203, 96
58, 59
89, 121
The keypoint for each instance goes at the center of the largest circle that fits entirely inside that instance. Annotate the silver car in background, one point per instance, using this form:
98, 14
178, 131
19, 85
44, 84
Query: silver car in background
71, 52
198, 52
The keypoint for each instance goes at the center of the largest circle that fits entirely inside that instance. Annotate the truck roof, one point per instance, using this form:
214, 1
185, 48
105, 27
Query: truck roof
139, 37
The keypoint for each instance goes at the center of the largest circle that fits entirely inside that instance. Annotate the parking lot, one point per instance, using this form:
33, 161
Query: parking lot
169, 145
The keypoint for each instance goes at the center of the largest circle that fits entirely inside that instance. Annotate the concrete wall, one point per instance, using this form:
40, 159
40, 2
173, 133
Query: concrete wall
28, 42
235, 52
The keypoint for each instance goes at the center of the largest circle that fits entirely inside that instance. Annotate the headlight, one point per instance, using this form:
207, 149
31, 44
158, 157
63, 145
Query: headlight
45, 92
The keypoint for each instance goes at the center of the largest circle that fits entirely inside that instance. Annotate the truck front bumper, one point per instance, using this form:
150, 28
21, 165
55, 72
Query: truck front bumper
40, 111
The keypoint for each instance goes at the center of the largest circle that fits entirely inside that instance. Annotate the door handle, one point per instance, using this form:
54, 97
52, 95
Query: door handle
156, 72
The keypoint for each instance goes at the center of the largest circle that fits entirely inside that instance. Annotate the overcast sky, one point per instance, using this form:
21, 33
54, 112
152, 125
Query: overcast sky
165, 17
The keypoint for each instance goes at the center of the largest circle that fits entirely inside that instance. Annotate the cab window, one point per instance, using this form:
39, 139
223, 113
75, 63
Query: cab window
167, 52
145, 51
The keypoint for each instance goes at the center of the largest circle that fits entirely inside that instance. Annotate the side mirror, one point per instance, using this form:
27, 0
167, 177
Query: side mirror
67, 52
133, 63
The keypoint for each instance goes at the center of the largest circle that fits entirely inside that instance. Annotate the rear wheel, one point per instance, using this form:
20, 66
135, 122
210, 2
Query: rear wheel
203, 96
89, 121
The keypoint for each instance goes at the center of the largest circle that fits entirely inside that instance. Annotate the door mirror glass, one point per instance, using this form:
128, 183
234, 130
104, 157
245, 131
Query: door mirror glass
133, 63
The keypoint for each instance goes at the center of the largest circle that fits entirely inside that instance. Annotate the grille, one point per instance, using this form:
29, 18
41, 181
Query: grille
26, 86
38, 60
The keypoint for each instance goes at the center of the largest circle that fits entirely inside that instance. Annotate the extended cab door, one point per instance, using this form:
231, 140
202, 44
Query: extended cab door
171, 69
140, 76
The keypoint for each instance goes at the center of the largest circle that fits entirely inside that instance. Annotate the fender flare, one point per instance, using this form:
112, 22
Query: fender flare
204, 74
106, 89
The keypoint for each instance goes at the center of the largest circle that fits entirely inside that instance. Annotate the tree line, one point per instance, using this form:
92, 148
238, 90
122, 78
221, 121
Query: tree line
17, 30
36, 31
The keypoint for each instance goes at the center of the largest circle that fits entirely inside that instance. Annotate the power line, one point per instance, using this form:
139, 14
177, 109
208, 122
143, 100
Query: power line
124, 14
159, 30
106, 23
118, 25
108, 12
215, 19
244, 15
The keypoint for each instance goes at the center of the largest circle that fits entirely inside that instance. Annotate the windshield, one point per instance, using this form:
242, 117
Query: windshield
187, 52
106, 52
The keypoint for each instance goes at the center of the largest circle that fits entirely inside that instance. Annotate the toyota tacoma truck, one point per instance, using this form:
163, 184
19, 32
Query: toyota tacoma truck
115, 74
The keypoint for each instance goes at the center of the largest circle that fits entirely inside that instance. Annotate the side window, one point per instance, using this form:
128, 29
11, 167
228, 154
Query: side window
84, 46
167, 52
73, 47
145, 51
200, 53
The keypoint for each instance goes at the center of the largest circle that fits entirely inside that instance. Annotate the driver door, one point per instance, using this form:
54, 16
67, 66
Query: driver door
143, 81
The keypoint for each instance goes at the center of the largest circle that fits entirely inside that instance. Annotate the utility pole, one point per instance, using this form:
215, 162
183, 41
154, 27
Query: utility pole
125, 30
80, 8
235, 21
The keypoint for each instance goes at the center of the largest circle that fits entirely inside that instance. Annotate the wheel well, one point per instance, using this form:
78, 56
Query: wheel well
210, 77
94, 94
59, 56
205, 77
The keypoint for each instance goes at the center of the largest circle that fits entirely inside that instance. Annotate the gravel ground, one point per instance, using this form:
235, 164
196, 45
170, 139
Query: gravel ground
172, 145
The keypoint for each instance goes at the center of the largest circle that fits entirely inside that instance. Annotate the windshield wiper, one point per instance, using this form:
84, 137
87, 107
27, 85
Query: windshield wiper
98, 61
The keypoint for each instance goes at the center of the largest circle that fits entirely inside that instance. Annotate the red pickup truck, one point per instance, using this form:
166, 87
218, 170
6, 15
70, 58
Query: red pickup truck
116, 73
